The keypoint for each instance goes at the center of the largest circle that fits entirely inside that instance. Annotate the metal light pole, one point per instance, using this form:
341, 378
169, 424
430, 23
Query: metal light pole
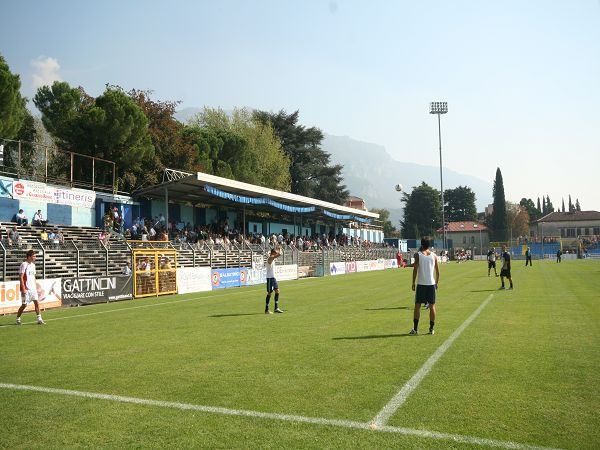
440, 108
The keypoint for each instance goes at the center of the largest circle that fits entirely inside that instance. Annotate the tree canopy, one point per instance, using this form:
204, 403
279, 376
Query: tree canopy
422, 214
460, 204
311, 172
499, 221
12, 105
384, 216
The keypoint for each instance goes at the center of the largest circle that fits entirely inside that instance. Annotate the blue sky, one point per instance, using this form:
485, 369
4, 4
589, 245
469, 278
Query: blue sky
522, 79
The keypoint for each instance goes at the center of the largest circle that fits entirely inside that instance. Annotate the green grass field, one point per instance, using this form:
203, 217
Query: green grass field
524, 373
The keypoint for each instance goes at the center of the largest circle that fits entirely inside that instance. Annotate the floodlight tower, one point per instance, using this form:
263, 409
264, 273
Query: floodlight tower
440, 108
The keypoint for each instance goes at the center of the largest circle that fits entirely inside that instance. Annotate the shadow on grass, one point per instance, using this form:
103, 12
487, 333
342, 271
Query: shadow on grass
383, 309
372, 336
237, 315
484, 290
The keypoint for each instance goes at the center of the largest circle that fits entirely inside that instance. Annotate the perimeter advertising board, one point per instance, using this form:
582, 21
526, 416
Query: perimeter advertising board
193, 279
49, 295
337, 268
286, 272
90, 290
30, 190
225, 278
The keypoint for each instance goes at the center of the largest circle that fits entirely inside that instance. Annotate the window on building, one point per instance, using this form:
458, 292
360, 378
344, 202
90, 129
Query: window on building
571, 232
596, 230
464, 239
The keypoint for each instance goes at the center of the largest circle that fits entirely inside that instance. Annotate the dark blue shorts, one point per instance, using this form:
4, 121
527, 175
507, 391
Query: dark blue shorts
271, 285
425, 294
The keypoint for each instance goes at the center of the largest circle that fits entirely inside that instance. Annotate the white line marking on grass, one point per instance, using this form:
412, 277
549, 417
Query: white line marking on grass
74, 316
285, 417
398, 400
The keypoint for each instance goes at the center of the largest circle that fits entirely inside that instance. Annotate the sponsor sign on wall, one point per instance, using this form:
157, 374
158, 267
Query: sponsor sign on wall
6, 187
351, 267
362, 266
249, 277
225, 278
193, 279
391, 264
49, 295
30, 190
337, 268
380, 264
89, 290
286, 272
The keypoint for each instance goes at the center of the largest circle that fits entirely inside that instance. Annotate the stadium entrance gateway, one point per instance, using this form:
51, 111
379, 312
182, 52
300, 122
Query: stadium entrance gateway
154, 272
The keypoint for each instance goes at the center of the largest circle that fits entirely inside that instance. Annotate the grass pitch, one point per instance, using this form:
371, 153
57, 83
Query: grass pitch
524, 372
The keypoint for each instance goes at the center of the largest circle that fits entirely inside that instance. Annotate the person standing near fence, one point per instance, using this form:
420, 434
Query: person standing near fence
528, 257
426, 270
272, 282
28, 287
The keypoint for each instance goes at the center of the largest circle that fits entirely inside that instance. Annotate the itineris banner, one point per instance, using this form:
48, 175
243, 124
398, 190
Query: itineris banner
48, 290
89, 290
30, 190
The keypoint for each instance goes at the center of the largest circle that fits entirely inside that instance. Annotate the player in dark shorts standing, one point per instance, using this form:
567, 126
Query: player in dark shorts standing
427, 270
505, 271
272, 284
528, 257
491, 257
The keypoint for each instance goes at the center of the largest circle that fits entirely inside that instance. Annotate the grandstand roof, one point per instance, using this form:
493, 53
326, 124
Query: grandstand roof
210, 189
575, 216
464, 226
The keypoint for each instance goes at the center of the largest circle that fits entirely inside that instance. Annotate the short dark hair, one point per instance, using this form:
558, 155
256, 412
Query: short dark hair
273, 252
426, 242
30, 253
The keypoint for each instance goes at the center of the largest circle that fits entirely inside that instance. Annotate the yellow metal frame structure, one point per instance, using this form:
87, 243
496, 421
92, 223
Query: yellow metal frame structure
154, 272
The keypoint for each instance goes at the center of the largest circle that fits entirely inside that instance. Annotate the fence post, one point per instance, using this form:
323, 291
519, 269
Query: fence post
43, 258
193, 254
106, 256
3, 261
77, 250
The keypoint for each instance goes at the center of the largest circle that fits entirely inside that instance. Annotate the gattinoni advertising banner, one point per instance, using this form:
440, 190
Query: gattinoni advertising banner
89, 290
286, 272
48, 290
193, 279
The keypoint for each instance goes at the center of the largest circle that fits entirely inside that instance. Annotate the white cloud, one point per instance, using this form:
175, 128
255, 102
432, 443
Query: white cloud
45, 71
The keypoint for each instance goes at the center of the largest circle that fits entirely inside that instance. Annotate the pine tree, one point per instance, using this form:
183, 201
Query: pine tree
571, 206
538, 206
563, 204
577, 205
544, 208
499, 216
549, 206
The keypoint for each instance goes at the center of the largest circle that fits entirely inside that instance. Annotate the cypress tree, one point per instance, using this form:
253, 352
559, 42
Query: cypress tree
539, 207
563, 204
571, 207
499, 217
577, 205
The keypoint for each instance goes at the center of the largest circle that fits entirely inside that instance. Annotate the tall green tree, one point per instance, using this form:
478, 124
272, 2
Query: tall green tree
563, 205
549, 206
460, 204
499, 221
384, 216
311, 171
533, 212
571, 205
111, 127
422, 214
577, 205
12, 105
239, 146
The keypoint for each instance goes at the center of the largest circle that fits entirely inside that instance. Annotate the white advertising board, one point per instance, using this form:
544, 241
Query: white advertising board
337, 268
30, 190
193, 279
287, 272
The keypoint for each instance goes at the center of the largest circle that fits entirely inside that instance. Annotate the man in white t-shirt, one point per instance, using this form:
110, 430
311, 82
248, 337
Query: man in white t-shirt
427, 270
28, 287
272, 282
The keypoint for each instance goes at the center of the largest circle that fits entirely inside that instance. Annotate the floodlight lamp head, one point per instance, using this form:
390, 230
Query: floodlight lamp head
399, 187
438, 107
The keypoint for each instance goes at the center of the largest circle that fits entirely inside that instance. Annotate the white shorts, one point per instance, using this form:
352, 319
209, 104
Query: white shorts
28, 296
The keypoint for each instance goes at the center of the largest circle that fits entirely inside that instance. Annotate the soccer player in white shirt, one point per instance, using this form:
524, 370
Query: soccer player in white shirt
28, 287
272, 284
427, 270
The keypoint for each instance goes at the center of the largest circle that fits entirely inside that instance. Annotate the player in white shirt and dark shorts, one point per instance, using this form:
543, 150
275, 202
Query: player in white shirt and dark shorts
427, 270
272, 284
28, 287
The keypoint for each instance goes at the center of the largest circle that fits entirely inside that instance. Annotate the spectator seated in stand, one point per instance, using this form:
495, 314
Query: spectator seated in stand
38, 219
103, 237
14, 238
21, 218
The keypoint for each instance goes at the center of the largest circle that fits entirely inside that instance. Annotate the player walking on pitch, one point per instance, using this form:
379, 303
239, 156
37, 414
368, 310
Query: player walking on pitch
491, 257
505, 271
28, 287
272, 282
427, 270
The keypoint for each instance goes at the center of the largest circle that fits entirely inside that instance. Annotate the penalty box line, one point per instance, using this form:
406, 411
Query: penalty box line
284, 417
400, 398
